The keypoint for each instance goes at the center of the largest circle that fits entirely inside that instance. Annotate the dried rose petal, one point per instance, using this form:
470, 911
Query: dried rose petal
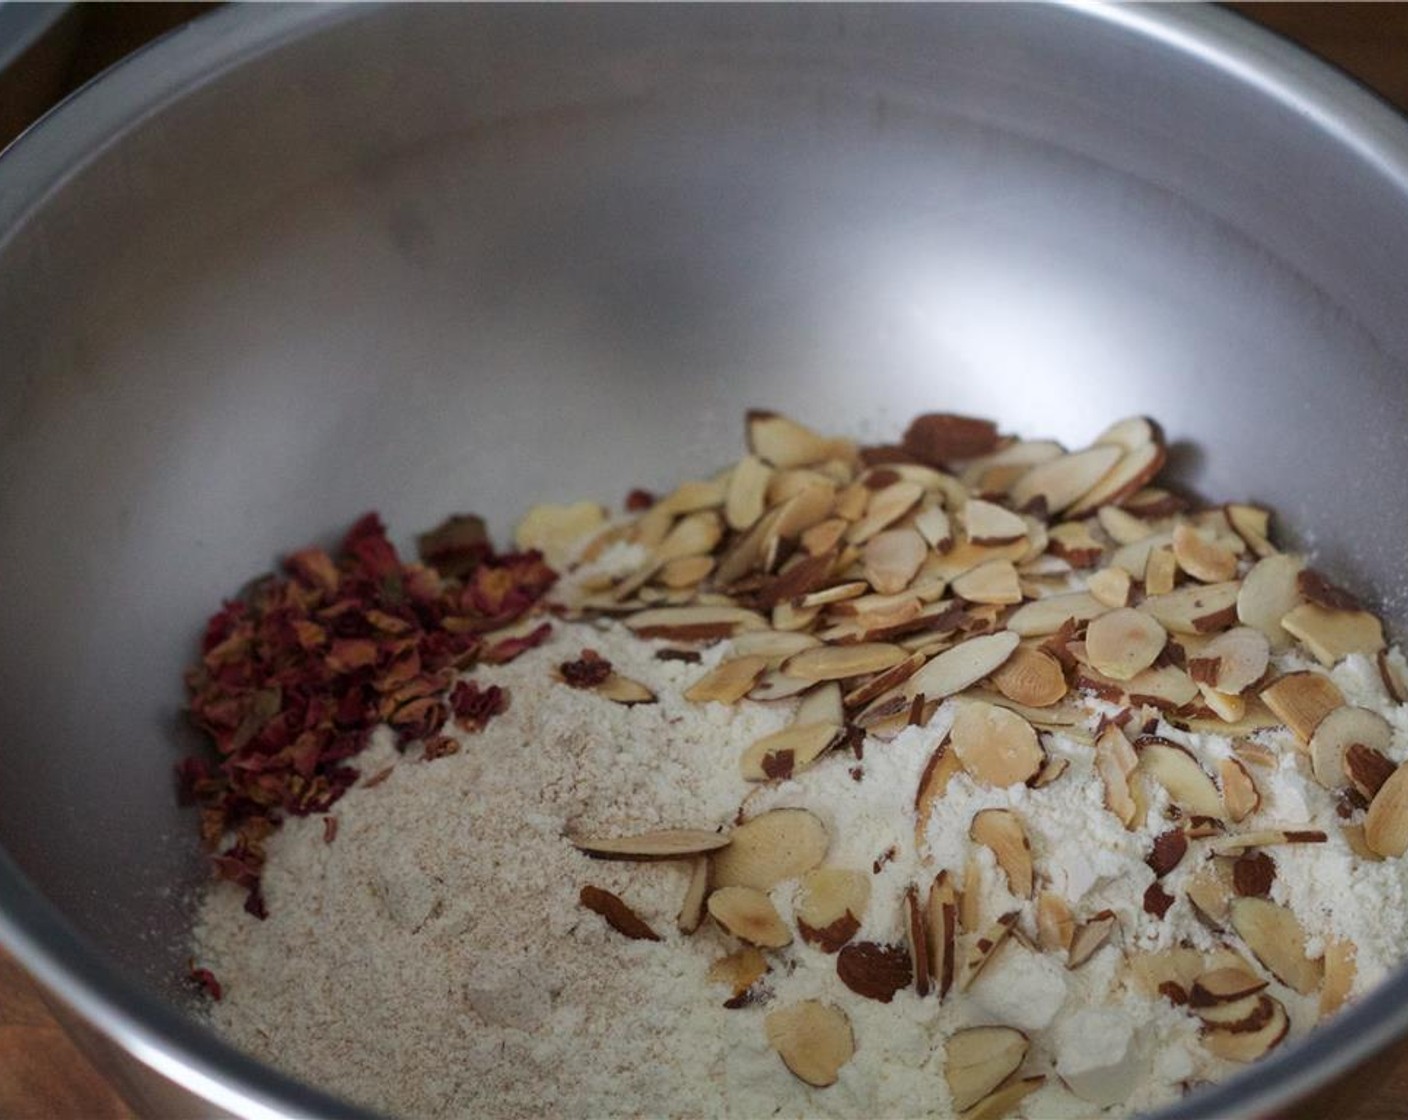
473, 707
588, 671
205, 980
438, 746
638, 500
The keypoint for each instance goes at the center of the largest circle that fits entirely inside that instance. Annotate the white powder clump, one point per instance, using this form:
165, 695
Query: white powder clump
433, 959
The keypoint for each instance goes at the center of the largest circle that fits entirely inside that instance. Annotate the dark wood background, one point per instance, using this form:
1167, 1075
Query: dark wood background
42, 1075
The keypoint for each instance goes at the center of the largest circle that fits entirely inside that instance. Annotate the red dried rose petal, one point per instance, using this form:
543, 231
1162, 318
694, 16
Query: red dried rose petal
205, 980
474, 707
588, 671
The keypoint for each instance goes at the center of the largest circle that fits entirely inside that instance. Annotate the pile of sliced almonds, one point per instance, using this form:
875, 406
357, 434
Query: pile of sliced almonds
869, 584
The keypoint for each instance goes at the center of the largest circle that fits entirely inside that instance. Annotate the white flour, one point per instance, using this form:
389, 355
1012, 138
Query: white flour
433, 960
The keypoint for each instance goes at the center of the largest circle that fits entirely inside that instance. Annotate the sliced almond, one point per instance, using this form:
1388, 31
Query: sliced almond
624, 690
1195, 609
1123, 642
1000, 1104
985, 947
1110, 586
774, 846
1238, 1016
971, 897
884, 508
1241, 654
1240, 843
1392, 677
1269, 592
671, 843
750, 916
836, 593
1166, 971
1189, 786
934, 526
831, 905
1367, 769
917, 936
1226, 707
994, 581
1386, 825
1253, 525
1091, 936
740, 970
892, 558
692, 496
1121, 526
1134, 557
1055, 924
1160, 571
965, 664
685, 571
1210, 891
777, 685
807, 508
708, 621
943, 437
618, 915
1275, 936
884, 682
1248, 1046
693, 535
1031, 677
729, 682
745, 553
775, 645
941, 935
746, 498
692, 906
988, 523
1354, 838
1061, 482
786, 443
1341, 969
873, 970
1239, 792
996, 746
1301, 700
1134, 469
1332, 635
813, 1039
979, 1059
1336, 732
1224, 985
824, 535
1044, 617
1254, 754
1202, 557
788, 752
1115, 762
830, 663
1001, 831
1018, 457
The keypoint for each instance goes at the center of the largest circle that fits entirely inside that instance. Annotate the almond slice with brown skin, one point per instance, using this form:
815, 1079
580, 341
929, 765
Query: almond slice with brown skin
988, 523
884, 508
832, 663
1001, 831
917, 936
884, 682
813, 1039
943, 764
670, 843
1189, 786
1239, 792
1367, 770
729, 682
1090, 937
994, 581
1018, 457
1386, 825
1224, 985
933, 524
1121, 526
696, 534
1064, 481
750, 916
965, 664
1210, 892
941, 935
1238, 1016
1332, 635
1115, 762
979, 1059
1134, 557
836, 593
1301, 700
785, 443
1242, 842
1277, 939
777, 685
811, 506
618, 915
996, 746
692, 496
1111, 587
1336, 732
1055, 924
1341, 969
775, 645
692, 906
1241, 656
831, 904
985, 947
727, 621
1201, 556
775, 846
1000, 1104
1248, 1046
939, 438
822, 537
890, 560
1269, 592
1196, 609
624, 690
1134, 469
788, 752
1160, 572
744, 553
1394, 684
746, 497
873, 970
1030, 677
1043, 617
1122, 643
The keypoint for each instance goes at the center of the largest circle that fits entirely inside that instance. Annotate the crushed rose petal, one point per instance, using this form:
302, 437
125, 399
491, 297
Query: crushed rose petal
474, 707
590, 670
205, 980
295, 674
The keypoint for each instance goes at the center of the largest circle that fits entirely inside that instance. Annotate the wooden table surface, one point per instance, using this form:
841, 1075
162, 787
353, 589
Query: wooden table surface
44, 1077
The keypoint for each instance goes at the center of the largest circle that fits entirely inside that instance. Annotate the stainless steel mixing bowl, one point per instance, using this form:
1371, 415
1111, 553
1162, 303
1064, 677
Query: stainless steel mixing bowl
294, 263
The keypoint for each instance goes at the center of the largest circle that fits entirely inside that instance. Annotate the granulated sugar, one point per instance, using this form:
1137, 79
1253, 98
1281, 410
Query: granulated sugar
433, 960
